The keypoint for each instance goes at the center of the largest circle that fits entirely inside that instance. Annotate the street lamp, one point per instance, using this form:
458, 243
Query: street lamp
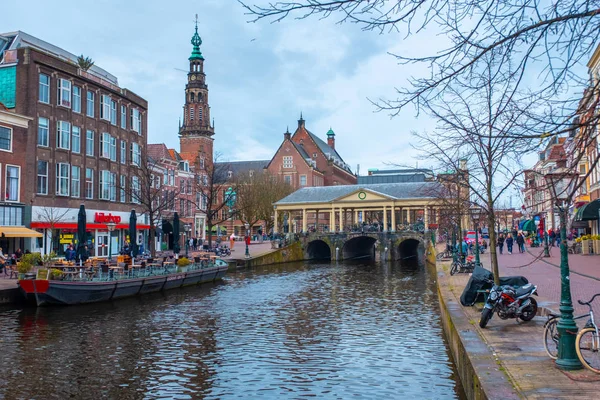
187, 229
560, 181
111, 227
475, 215
247, 226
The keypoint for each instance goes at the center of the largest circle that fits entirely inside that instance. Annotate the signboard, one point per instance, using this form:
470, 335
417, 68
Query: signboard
104, 218
67, 238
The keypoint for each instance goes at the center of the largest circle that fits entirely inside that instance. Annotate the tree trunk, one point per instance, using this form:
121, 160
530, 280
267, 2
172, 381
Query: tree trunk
493, 241
151, 240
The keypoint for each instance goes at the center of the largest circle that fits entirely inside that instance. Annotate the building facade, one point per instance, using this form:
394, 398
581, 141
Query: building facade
85, 142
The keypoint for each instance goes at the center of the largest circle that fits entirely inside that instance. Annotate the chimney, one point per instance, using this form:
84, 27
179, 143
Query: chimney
301, 121
286, 134
331, 138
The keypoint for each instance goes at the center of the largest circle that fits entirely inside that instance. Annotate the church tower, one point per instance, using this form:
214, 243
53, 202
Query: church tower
195, 134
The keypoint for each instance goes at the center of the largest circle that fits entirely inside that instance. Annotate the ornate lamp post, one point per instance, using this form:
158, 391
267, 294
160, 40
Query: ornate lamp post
559, 182
546, 249
475, 214
247, 226
111, 227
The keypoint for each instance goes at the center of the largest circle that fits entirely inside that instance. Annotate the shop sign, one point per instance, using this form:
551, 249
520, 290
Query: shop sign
102, 218
67, 238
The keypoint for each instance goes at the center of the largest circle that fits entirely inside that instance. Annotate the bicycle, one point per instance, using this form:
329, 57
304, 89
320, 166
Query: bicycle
587, 342
589, 332
458, 266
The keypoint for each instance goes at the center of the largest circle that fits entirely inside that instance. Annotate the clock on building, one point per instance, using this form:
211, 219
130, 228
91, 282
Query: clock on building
193, 77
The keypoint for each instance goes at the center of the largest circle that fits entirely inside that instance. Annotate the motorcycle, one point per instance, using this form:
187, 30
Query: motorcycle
510, 302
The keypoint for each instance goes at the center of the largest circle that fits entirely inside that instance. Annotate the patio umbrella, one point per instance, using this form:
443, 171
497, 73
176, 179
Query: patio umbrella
176, 247
81, 228
133, 234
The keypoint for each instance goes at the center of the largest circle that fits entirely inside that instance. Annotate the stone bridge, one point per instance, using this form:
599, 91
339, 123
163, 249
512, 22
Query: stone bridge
374, 245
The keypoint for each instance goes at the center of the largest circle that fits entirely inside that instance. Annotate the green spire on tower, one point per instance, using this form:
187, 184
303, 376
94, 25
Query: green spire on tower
196, 42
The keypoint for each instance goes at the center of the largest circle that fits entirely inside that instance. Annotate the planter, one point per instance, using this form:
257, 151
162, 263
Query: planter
586, 247
596, 246
21, 276
183, 269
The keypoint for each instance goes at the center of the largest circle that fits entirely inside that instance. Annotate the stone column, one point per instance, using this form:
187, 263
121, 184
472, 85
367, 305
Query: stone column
341, 219
332, 220
275, 222
385, 220
426, 217
408, 216
393, 219
304, 221
355, 216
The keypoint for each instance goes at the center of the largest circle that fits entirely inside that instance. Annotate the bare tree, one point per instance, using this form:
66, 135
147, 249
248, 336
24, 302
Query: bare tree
155, 197
213, 181
256, 194
52, 216
540, 45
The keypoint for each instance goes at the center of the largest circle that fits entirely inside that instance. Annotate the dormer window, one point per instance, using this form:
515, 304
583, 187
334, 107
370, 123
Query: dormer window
229, 174
314, 155
251, 173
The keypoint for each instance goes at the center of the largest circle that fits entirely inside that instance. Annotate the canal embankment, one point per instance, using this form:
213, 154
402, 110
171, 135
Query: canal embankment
9, 291
506, 359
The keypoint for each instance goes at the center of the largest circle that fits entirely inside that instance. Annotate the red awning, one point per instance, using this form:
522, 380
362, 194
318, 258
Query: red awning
69, 225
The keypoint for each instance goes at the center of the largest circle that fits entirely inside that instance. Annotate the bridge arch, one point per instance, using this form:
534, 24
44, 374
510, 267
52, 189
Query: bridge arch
318, 250
359, 247
411, 248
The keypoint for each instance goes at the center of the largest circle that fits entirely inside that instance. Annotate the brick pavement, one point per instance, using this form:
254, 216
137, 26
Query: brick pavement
545, 273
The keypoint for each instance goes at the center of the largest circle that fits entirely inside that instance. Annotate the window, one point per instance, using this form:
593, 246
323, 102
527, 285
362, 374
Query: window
5, 138
89, 183
182, 186
89, 143
123, 116
42, 177
182, 206
105, 107
251, 173
62, 179
43, 131
288, 162
302, 180
122, 179
230, 174
136, 120
287, 179
123, 152
113, 149
64, 93
191, 114
314, 155
135, 190
12, 182
105, 145
107, 185
89, 109
76, 99
113, 112
63, 135
76, 140
75, 181
136, 157
44, 89
189, 187
200, 114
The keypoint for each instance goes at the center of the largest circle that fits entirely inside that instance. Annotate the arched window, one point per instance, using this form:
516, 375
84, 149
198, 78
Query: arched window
192, 97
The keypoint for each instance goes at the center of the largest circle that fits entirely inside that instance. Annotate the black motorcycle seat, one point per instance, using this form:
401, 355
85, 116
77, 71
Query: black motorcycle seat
523, 290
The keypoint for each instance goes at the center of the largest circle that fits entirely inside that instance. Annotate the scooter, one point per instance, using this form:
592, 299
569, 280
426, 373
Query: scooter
510, 302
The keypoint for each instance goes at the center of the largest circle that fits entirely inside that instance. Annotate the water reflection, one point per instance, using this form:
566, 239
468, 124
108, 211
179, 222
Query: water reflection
326, 330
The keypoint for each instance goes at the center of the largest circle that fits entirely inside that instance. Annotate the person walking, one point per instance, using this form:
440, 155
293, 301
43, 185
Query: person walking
521, 243
552, 237
501, 243
231, 241
509, 243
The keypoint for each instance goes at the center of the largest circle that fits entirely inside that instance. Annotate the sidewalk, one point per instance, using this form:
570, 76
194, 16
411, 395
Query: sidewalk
518, 347
255, 249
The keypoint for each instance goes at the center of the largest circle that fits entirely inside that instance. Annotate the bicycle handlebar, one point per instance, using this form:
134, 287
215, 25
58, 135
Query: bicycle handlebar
588, 303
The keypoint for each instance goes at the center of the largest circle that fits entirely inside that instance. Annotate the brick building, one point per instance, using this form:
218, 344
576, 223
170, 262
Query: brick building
86, 137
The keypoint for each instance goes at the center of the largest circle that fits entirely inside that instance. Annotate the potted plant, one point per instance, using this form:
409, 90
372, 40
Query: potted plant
56, 274
596, 239
183, 263
23, 267
48, 259
585, 244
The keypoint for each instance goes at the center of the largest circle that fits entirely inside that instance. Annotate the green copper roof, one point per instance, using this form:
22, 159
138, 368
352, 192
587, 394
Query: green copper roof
330, 132
196, 42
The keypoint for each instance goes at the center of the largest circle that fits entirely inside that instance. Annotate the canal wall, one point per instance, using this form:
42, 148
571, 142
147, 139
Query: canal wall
480, 373
293, 252
10, 296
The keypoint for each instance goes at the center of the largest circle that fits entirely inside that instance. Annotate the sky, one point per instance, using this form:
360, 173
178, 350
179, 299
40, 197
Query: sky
260, 76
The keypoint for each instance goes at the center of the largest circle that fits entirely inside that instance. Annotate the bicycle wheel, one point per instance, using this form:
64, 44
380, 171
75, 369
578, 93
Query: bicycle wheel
441, 255
588, 352
551, 338
454, 268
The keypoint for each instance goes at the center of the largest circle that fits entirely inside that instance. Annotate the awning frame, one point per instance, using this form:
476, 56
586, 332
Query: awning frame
18, 232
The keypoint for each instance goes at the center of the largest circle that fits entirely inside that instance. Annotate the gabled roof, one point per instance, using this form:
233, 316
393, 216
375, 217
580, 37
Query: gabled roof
159, 151
327, 151
395, 191
240, 167
299, 149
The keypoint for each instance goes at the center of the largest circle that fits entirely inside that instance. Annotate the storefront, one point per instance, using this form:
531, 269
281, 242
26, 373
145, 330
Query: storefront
60, 232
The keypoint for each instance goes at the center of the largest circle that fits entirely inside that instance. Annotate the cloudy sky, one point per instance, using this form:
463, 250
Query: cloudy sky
260, 75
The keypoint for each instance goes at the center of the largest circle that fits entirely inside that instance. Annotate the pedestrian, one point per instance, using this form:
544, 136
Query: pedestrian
509, 243
501, 243
552, 237
195, 246
231, 241
521, 243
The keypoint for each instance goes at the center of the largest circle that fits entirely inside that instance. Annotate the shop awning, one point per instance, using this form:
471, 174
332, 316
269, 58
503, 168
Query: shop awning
18, 232
588, 212
527, 225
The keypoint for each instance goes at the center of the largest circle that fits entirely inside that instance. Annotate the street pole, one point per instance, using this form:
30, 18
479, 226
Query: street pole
567, 329
546, 249
477, 260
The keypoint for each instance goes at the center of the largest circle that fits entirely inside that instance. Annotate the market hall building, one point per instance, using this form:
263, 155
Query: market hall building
83, 145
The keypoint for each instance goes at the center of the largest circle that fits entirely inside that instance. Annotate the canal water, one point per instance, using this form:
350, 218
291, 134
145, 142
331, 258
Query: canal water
330, 331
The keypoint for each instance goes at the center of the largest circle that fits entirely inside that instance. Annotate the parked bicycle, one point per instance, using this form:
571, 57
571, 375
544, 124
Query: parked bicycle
459, 266
587, 343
